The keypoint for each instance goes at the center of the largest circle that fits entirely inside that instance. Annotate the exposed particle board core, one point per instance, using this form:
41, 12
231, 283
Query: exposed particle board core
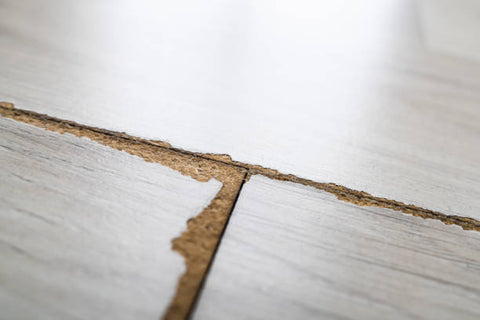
343, 193
199, 241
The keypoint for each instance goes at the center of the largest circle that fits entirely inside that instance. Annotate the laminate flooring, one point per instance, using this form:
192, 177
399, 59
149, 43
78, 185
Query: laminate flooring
379, 96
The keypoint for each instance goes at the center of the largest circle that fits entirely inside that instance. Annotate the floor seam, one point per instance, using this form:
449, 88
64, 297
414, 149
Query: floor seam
212, 259
342, 193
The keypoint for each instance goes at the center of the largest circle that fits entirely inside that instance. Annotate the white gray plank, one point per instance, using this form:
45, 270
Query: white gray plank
85, 230
352, 92
295, 252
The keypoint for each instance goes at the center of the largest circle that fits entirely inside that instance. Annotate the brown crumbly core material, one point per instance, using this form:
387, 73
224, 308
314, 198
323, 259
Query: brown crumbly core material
199, 242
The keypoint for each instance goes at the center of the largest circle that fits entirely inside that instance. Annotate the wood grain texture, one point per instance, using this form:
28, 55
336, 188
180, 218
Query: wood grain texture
448, 26
86, 230
346, 92
294, 252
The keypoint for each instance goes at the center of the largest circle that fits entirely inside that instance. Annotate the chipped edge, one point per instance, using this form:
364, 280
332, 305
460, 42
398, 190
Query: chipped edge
360, 198
199, 241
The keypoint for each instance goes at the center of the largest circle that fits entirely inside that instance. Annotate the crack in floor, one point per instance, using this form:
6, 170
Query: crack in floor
199, 242
342, 193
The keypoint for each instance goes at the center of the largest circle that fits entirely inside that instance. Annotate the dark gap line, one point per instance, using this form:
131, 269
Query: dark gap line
196, 299
343, 193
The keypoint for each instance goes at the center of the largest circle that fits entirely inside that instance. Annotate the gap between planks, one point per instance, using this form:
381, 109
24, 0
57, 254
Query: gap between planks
207, 271
199, 242
360, 198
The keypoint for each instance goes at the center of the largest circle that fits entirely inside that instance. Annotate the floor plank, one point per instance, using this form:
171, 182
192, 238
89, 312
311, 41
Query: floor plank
295, 252
86, 230
380, 96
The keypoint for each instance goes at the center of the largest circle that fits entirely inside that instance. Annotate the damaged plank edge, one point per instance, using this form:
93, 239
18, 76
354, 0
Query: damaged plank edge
360, 198
342, 193
202, 284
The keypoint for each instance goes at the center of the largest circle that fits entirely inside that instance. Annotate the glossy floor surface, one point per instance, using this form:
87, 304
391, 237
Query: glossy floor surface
86, 230
378, 95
